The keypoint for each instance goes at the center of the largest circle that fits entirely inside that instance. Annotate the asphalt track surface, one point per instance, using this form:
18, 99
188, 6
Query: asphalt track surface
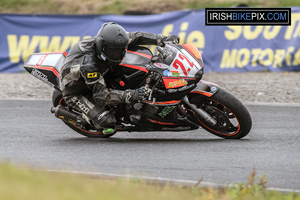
31, 135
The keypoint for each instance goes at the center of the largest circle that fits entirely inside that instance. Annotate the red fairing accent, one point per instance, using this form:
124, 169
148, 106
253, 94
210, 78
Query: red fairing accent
135, 67
192, 49
41, 60
162, 123
202, 81
165, 102
65, 53
56, 52
203, 93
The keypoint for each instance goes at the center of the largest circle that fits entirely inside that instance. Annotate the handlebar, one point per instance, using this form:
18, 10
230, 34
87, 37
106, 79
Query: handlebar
148, 87
152, 81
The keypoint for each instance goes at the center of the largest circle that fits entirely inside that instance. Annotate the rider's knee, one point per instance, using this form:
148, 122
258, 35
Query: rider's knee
103, 118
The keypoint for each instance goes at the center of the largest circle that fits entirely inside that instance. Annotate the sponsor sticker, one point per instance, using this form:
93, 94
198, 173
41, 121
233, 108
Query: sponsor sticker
174, 83
92, 75
167, 110
38, 74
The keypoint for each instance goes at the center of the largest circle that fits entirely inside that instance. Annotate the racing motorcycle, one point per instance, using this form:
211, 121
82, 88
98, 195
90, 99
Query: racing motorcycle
178, 99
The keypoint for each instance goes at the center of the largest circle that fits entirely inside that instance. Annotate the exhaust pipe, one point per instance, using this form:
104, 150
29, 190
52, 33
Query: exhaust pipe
64, 114
70, 117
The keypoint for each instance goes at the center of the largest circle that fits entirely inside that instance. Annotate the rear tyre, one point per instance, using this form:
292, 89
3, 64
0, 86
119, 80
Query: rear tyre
233, 118
57, 99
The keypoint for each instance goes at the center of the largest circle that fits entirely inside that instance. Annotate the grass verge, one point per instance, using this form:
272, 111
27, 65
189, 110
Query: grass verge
16, 183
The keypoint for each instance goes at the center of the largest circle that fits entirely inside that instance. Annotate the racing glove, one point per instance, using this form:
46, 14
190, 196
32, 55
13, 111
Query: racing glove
132, 96
165, 39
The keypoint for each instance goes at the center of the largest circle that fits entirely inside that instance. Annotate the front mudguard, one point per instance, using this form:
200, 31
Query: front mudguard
202, 91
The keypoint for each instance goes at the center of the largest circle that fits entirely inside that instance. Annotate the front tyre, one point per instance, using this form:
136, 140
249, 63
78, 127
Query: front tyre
57, 99
232, 117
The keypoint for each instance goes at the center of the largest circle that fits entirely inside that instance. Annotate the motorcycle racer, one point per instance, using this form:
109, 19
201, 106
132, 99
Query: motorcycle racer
91, 66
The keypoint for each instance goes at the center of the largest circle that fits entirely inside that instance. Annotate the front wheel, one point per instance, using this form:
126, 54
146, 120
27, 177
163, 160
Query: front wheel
57, 99
233, 120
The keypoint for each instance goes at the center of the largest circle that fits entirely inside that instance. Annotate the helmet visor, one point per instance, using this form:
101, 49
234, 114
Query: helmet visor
114, 54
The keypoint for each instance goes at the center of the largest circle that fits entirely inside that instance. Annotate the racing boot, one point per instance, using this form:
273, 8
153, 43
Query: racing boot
103, 120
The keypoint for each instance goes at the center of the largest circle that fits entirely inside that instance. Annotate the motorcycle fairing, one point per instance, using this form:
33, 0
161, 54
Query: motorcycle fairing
164, 103
177, 82
174, 82
192, 49
203, 90
46, 66
158, 118
187, 62
163, 97
198, 93
133, 66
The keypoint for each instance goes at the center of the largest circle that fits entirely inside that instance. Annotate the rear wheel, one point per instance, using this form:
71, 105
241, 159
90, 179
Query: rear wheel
232, 117
57, 99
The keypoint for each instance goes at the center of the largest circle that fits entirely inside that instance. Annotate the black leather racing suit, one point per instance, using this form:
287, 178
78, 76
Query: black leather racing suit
84, 77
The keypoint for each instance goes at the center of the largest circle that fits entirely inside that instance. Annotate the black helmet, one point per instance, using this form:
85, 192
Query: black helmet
111, 42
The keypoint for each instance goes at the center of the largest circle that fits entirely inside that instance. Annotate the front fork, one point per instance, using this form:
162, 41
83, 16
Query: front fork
203, 90
200, 112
